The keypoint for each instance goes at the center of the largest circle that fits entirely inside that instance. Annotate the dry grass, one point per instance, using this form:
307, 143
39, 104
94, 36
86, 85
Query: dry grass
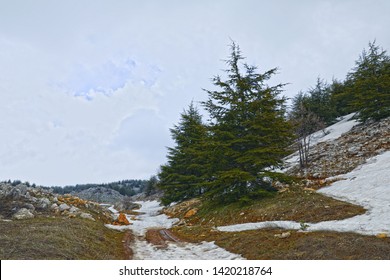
263, 244
49, 238
297, 205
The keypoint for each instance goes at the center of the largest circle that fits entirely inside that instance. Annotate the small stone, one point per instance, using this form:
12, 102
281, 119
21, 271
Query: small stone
283, 235
87, 216
22, 214
73, 209
43, 203
382, 235
191, 213
29, 206
122, 220
54, 206
64, 207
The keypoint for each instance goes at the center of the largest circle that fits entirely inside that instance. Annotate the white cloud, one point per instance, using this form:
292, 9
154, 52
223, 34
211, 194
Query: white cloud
89, 89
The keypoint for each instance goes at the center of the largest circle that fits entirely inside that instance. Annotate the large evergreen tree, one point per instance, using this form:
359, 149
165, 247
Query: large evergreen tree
183, 176
249, 133
370, 84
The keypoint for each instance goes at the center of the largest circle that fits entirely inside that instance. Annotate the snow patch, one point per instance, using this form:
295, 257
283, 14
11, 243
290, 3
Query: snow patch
345, 124
150, 217
182, 251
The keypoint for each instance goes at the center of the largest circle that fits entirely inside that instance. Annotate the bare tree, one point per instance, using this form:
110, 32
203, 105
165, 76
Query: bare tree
305, 123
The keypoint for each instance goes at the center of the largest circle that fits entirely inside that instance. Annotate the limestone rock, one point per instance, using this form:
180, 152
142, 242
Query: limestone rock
43, 203
87, 216
22, 214
73, 209
283, 235
64, 207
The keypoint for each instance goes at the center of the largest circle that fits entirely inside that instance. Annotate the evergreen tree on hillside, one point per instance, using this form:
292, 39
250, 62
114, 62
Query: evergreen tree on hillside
341, 98
370, 84
183, 176
249, 133
319, 102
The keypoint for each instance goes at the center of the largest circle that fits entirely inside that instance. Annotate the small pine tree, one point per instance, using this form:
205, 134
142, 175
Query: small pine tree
370, 84
183, 176
319, 102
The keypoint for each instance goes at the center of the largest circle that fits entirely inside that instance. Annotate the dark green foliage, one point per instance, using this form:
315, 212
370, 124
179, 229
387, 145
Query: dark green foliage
151, 186
249, 133
341, 97
184, 175
318, 102
369, 84
124, 187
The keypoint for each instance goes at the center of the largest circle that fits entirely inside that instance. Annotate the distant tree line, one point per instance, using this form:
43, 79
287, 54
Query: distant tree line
233, 156
124, 187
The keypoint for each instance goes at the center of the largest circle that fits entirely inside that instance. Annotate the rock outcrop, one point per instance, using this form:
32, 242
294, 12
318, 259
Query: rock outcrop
100, 194
18, 202
347, 152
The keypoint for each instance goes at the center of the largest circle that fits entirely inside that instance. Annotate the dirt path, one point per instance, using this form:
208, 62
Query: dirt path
128, 239
160, 237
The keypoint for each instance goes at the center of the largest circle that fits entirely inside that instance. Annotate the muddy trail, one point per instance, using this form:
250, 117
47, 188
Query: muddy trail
152, 239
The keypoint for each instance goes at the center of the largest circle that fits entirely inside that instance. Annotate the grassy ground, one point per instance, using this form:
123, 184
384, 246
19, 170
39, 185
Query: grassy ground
263, 244
49, 238
297, 204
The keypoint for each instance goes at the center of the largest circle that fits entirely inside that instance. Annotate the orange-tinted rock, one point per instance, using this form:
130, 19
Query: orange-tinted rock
382, 235
191, 213
122, 220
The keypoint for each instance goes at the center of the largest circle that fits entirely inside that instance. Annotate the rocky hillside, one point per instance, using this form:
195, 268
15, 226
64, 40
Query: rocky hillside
343, 154
23, 202
100, 194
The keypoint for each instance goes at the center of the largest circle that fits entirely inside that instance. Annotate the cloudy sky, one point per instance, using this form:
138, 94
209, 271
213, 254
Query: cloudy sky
89, 89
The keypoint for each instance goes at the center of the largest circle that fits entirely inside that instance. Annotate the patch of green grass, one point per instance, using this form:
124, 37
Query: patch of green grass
296, 204
49, 238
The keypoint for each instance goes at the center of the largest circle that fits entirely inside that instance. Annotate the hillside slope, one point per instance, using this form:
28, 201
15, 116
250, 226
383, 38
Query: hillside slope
349, 163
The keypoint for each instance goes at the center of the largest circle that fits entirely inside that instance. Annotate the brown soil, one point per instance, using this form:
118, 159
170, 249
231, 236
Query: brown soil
128, 238
159, 237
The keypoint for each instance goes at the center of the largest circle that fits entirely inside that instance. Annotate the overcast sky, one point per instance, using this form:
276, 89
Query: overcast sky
89, 89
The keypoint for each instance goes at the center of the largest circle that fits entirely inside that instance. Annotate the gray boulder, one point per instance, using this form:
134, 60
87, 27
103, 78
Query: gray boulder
87, 216
22, 214
63, 207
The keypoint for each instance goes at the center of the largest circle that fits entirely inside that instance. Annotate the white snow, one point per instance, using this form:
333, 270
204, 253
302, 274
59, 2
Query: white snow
334, 131
149, 217
367, 185
345, 124
182, 251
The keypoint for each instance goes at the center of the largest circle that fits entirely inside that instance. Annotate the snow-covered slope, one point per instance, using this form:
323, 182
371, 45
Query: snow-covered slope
367, 185
345, 124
